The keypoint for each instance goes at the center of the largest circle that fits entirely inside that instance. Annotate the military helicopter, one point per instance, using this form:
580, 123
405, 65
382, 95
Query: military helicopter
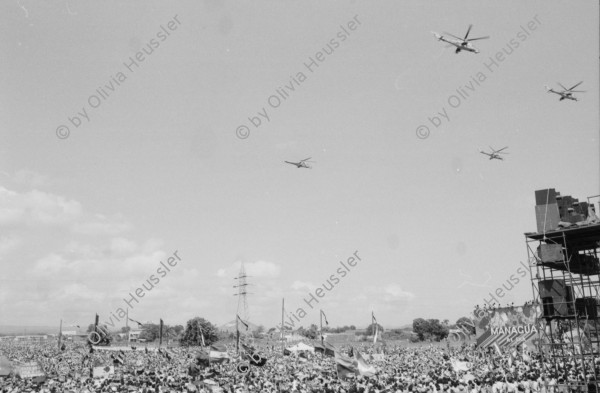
495, 154
460, 43
301, 164
566, 93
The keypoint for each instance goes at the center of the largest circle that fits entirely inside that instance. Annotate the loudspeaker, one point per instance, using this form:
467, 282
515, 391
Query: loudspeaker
557, 298
550, 253
583, 209
587, 307
548, 307
548, 214
552, 288
543, 197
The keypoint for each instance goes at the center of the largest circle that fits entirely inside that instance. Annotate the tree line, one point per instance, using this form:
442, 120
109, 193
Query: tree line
434, 330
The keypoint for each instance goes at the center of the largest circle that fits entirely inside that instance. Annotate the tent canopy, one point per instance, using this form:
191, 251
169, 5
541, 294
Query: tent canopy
301, 347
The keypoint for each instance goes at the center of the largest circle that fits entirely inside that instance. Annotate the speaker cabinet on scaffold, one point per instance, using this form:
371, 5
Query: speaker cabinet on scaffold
557, 298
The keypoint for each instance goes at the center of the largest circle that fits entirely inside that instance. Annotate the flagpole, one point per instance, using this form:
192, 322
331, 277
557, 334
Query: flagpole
321, 325
282, 312
160, 337
374, 321
321, 332
60, 335
201, 335
127, 325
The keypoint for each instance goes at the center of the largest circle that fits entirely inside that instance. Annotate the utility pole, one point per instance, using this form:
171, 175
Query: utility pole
60, 335
282, 312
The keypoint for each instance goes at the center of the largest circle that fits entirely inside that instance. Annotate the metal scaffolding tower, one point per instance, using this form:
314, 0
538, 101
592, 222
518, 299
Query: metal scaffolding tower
567, 286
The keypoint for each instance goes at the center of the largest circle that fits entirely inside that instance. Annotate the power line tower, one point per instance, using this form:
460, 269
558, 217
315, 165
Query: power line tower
242, 292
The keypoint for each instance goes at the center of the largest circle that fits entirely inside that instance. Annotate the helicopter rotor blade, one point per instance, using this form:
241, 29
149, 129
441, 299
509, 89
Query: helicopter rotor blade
468, 31
452, 35
478, 38
575, 86
564, 88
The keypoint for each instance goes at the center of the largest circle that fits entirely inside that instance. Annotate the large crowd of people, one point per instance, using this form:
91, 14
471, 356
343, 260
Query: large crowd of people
426, 368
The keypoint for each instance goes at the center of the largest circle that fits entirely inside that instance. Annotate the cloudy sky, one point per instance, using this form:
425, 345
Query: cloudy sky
111, 163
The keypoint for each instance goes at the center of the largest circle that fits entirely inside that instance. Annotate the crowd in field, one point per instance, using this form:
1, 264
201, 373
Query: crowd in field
430, 369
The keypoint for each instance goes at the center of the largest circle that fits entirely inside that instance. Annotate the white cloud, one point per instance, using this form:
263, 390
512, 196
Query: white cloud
121, 245
102, 225
394, 291
74, 261
35, 208
297, 285
262, 269
50, 265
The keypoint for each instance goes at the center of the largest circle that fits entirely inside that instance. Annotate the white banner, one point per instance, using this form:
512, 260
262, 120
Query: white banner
98, 348
103, 372
29, 370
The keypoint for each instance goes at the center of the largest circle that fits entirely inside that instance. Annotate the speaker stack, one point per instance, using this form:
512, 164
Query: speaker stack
557, 298
587, 307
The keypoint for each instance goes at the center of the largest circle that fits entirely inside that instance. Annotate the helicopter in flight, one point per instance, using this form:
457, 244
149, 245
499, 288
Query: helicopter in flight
495, 154
301, 164
566, 93
460, 43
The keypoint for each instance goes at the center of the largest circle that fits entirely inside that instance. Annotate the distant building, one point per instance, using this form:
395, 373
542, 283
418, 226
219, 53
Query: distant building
293, 337
134, 335
339, 337
36, 338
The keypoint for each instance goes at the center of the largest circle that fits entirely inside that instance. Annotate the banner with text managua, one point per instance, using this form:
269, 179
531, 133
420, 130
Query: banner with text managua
508, 326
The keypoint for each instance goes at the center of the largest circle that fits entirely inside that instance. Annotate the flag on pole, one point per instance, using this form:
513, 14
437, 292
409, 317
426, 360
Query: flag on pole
243, 323
139, 323
201, 335
160, 333
325, 318
119, 357
512, 357
345, 366
218, 353
322, 314
237, 332
325, 348
498, 349
253, 357
363, 367
374, 322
